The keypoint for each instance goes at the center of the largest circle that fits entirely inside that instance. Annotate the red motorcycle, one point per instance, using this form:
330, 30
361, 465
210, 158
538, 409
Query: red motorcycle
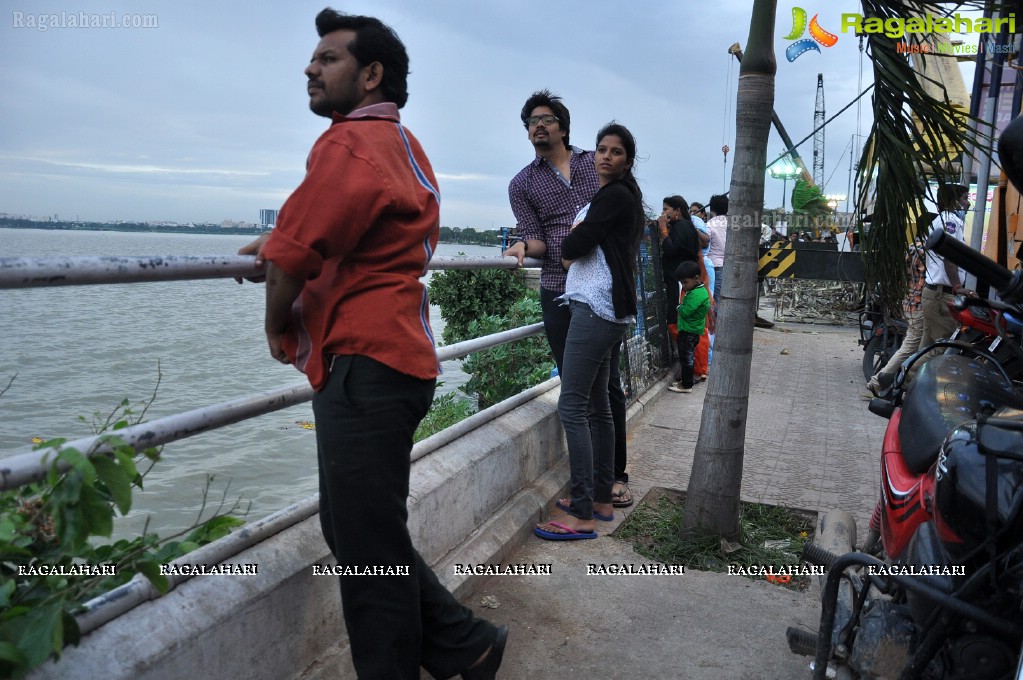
978, 325
942, 595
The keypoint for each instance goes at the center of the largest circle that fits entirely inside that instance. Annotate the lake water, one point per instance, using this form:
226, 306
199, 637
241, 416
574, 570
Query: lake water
78, 351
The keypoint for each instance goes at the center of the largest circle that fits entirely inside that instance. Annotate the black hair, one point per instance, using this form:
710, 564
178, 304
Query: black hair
374, 41
677, 202
949, 195
696, 204
554, 103
688, 269
719, 204
629, 142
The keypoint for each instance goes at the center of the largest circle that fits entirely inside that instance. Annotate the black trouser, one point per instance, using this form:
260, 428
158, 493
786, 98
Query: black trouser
556, 318
365, 418
687, 343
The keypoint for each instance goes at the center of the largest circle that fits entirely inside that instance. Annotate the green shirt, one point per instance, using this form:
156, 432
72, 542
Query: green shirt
692, 313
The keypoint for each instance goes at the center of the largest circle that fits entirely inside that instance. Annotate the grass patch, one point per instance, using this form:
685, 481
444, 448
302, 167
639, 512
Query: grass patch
769, 536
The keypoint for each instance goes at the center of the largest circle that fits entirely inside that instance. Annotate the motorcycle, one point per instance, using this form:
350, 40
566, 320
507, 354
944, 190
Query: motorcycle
947, 599
997, 331
880, 335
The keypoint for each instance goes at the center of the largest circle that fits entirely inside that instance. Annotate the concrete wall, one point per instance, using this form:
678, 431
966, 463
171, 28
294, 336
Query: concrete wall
472, 501
483, 491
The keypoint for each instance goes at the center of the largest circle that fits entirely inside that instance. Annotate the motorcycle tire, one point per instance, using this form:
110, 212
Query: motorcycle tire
878, 350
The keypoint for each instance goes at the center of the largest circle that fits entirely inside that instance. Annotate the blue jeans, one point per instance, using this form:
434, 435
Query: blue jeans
585, 409
556, 319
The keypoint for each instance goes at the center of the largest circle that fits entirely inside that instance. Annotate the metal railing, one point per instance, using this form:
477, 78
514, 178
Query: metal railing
24, 467
38, 272
644, 358
644, 354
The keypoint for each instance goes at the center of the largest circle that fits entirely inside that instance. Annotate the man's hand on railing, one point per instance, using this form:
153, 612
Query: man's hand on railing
255, 248
516, 250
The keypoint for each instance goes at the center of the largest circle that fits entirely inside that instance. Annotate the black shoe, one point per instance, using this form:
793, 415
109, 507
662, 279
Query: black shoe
761, 322
487, 669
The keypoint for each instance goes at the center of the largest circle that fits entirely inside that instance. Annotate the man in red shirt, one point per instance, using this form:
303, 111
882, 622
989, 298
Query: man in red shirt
352, 242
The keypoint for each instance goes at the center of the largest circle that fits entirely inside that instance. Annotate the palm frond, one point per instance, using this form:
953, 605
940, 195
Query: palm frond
916, 138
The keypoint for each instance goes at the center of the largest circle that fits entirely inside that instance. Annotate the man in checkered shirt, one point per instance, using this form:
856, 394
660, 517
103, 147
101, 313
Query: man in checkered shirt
545, 196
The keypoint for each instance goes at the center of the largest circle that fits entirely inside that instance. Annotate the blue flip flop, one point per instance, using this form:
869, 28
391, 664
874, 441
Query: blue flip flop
596, 515
572, 534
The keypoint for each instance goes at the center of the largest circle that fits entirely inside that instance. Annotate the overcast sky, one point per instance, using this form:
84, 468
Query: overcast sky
204, 117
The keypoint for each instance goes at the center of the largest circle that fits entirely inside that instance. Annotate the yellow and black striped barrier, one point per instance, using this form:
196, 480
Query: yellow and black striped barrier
803, 260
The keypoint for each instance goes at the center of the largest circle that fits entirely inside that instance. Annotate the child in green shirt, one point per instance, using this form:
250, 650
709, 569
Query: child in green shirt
692, 319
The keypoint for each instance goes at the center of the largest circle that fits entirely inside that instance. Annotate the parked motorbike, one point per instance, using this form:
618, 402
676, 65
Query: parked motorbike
880, 335
945, 597
997, 331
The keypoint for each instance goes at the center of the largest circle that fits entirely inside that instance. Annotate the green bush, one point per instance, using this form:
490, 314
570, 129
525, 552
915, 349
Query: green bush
446, 410
467, 294
504, 371
480, 302
49, 566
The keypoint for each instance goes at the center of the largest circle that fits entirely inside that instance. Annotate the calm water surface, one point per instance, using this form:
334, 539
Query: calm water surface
78, 351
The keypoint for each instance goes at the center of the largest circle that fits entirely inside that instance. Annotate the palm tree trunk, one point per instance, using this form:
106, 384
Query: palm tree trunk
712, 499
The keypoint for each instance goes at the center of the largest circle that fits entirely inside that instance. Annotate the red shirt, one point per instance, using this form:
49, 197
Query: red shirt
360, 230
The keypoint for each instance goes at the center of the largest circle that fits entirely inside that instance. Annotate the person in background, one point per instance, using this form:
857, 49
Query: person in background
692, 319
698, 215
355, 237
698, 210
599, 254
718, 225
680, 241
943, 281
545, 196
705, 348
916, 271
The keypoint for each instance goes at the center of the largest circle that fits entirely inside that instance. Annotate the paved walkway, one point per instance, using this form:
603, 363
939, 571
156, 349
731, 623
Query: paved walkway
810, 444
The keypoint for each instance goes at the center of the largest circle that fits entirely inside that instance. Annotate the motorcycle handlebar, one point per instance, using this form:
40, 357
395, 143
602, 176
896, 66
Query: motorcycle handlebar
1008, 284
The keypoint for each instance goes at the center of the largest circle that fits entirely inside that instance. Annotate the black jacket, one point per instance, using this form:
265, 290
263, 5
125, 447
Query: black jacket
681, 244
613, 223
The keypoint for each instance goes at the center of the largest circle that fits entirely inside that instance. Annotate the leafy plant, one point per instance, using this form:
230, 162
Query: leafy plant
466, 294
506, 370
481, 302
446, 410
918, 135
49, 566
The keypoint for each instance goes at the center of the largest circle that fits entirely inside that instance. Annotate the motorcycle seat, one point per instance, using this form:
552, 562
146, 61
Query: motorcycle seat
947, 391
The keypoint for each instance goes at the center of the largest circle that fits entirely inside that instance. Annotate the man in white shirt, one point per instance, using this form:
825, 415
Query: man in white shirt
943, 280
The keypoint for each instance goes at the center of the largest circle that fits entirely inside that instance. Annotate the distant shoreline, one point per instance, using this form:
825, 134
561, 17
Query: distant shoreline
216, 229
468, 237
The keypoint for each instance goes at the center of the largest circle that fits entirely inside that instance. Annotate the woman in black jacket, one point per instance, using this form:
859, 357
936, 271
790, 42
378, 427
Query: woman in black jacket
680, 241
600, 255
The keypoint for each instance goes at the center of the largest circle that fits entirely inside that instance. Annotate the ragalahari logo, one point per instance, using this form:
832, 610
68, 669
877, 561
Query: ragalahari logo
819, 35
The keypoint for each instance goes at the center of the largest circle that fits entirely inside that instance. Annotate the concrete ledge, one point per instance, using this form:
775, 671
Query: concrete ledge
473, 501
